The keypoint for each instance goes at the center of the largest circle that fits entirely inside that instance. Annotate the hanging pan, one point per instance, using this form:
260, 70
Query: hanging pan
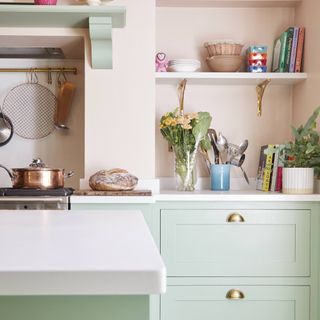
31, 108
6, 129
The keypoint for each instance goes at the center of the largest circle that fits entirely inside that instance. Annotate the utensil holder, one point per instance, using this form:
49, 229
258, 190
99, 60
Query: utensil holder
220, 177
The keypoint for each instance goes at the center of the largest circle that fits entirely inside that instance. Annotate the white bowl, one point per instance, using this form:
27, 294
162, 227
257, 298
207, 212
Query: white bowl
183, 68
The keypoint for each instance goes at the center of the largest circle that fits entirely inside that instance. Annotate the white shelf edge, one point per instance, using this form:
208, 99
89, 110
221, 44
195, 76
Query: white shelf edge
229, 3
229, 78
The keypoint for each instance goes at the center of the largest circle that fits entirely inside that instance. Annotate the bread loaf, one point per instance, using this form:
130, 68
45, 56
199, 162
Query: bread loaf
114, 179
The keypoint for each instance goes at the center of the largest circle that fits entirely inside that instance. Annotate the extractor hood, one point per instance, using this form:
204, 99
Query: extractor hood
31, 53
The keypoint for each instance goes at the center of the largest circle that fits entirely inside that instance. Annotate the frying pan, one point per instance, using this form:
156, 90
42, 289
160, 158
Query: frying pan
6, 129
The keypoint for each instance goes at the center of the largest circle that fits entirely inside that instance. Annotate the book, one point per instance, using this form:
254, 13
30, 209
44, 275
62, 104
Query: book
275, 169
279, 51
288, 49
261, 167
299, 55
294, 49
265, 167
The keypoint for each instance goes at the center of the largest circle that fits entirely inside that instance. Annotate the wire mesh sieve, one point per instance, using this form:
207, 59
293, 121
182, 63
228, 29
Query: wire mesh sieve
31, 108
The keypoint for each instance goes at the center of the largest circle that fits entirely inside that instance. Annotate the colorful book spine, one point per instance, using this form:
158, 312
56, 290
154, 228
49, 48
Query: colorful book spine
294, 49
279, 52
279, 179
261, 167
299, 54
268, 168
288, 48
279, 173
275, 169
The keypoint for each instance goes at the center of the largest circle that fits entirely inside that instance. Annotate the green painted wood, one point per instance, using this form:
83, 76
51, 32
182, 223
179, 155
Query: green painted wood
100, 31
75, 308
260, 302
99, 19
267, 243
59, 16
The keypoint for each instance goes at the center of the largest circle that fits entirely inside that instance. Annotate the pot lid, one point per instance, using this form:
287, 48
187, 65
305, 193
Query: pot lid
37, 164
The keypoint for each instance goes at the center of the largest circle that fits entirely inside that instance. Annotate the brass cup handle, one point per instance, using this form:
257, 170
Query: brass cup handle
235, 294
235, 217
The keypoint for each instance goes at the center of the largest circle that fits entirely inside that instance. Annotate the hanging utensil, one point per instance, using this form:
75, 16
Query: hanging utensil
6, 129
65, 98
31, 108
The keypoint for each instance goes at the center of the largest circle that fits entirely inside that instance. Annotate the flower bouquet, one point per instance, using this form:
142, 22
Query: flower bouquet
185, 132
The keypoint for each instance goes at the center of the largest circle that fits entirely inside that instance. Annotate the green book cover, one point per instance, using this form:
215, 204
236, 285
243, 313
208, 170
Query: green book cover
279, 52
288, 48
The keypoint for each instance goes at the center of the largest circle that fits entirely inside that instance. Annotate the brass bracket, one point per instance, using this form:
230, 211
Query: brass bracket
260, 92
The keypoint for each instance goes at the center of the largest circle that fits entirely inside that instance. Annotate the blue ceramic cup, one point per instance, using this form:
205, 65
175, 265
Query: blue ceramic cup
220, 177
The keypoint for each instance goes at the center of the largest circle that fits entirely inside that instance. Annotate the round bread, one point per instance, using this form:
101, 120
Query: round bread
113, 180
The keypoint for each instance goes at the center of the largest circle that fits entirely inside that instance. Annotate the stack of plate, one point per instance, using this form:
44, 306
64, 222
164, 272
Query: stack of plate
183, 65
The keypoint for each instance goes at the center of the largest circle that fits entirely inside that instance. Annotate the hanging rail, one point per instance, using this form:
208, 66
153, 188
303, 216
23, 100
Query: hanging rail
54, 69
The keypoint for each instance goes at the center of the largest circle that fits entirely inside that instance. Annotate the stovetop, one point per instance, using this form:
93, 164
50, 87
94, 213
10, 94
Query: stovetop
60, 192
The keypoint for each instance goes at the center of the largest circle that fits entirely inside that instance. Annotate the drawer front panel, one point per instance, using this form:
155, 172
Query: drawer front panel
259, 302
265, 243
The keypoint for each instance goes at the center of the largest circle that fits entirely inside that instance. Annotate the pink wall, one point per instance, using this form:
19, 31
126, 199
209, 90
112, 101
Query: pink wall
181, 32
307, 95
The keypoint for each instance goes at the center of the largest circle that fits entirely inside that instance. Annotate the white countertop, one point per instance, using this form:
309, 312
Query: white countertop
78, 252
201, 195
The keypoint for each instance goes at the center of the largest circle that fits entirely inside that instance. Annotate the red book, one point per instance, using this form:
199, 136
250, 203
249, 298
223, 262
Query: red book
299, 55
279, 179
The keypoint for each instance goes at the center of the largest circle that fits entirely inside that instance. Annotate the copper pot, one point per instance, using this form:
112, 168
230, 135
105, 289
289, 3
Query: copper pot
37, 176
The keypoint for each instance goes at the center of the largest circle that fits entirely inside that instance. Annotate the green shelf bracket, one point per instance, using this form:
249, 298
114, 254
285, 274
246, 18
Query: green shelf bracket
100, 31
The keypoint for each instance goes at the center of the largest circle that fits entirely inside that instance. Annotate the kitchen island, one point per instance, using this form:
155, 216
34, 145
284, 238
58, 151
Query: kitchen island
77, 265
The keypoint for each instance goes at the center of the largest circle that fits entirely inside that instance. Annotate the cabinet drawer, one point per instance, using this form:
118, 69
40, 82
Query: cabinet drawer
259, 302
265, 243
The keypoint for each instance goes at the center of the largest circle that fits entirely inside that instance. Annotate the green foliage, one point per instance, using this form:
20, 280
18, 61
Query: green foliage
185, 131
304, 151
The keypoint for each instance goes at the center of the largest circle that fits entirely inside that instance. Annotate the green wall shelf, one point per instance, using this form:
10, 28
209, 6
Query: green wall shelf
99, 19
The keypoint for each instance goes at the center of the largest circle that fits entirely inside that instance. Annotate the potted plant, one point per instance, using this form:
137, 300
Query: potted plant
301, 158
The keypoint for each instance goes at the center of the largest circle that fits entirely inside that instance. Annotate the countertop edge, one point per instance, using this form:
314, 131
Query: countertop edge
206, 195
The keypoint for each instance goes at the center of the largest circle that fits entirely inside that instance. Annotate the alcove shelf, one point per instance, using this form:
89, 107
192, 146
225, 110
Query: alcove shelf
229, 78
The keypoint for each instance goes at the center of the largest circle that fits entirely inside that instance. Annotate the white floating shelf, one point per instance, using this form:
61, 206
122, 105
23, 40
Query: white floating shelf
229, 78
229, 3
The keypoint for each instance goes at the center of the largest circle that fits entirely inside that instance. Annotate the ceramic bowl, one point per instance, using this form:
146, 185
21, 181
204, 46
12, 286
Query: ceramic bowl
225, 63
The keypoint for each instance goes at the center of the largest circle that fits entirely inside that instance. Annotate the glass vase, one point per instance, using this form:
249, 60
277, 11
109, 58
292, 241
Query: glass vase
185, 168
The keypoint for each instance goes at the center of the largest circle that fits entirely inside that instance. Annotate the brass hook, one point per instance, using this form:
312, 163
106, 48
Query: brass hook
260, 92
49, 76
61, 73
182, 88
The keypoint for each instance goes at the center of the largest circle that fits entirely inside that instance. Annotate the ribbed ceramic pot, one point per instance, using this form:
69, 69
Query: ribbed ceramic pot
297, 180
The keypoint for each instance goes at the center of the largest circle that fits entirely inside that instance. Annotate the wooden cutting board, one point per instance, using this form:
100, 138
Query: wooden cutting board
135, 193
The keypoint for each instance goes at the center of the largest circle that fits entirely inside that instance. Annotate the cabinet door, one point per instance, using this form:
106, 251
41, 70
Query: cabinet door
242, 243
257, 302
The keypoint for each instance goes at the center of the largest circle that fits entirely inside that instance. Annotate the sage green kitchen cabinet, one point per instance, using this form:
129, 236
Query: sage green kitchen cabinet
74, 308
267, 250
210, 243
259, 302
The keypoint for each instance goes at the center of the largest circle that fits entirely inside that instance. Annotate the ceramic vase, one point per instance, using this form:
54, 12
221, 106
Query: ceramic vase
297, 180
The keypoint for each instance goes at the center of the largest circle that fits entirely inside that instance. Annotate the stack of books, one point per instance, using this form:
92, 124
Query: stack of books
269, 177
288, 50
